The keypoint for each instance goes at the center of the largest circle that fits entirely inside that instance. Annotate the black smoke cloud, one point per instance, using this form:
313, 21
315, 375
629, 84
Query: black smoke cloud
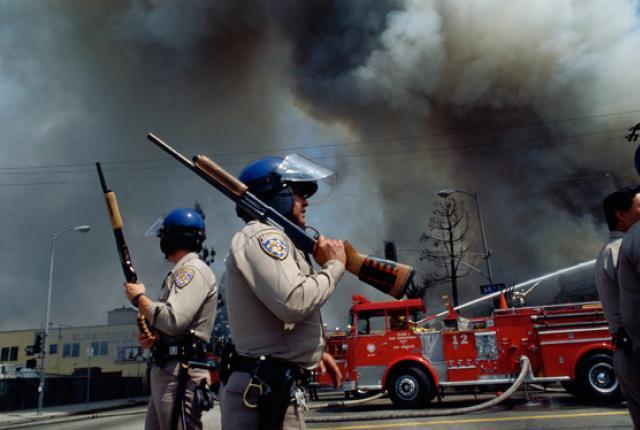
523, 104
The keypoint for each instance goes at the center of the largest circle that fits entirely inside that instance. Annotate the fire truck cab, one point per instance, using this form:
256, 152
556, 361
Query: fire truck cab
385, 350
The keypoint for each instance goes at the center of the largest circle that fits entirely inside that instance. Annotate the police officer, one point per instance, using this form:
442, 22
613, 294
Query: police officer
622, 211
274, 299
182, 321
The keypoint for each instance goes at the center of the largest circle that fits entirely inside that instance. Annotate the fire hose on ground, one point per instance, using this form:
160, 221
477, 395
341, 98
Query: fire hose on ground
547, 389
338, 403
525, 369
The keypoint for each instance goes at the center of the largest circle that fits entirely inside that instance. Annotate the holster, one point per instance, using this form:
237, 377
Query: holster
276, 398
276, 378
622, 342
226, 358
204, 396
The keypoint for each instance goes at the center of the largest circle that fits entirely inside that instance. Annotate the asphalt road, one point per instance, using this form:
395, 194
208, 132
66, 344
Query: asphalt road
540, 411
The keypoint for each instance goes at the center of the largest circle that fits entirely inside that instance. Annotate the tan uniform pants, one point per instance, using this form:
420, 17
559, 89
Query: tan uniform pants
163, 389
236, 416
628, 372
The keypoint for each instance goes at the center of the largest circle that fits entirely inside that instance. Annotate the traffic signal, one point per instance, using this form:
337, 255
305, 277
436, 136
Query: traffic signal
37, 344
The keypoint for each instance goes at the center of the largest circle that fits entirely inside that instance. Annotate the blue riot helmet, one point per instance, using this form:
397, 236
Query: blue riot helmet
275, 180
182, 228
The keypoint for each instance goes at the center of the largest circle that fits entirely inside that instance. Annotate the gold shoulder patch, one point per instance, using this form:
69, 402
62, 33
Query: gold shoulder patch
274, 245
183, 277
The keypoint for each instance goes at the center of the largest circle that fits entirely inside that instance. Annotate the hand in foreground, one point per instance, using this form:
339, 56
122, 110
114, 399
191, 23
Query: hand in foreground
132, 290
328, 365
146, 342
329, 249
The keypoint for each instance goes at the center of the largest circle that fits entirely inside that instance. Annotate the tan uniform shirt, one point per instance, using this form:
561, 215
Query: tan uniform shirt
188, 300
629, 280
606, 273
274, 298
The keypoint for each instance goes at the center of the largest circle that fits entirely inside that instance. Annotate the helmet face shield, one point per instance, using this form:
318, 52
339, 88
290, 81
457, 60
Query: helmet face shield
309, 179
156, 228
180, 229
177, 219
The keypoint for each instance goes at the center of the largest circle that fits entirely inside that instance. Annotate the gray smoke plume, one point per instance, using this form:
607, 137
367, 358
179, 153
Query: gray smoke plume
525, 105
471, 75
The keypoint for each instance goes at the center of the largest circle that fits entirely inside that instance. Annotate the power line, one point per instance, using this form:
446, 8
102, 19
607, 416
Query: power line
510, 146
472, 146
363, 155
341, 144
345, 156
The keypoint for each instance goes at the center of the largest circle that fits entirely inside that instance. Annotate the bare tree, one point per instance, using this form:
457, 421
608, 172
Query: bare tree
446, 245
417, 290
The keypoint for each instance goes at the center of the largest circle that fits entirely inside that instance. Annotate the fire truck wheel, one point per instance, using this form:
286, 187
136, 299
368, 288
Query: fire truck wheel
596, 381
410, 387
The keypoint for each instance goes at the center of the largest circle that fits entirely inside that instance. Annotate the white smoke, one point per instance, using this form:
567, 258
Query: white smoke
549, 56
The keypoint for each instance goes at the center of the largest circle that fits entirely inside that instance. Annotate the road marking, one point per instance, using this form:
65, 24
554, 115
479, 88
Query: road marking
481, 420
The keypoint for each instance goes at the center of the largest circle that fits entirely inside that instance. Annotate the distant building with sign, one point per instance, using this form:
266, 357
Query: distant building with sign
112, 348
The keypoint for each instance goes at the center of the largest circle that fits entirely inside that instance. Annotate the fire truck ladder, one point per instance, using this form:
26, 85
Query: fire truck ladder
590, 318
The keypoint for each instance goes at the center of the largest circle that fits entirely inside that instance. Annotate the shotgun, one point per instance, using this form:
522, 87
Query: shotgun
123, 251
390, 277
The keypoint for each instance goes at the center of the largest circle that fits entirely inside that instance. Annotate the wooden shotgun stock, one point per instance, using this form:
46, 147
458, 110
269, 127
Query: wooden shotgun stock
123, 251
387, 276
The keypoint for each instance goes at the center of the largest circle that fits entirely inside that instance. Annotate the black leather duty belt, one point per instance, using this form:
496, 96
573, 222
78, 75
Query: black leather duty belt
250, 365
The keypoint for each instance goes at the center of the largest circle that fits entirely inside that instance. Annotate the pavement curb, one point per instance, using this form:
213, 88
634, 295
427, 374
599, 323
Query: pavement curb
129, 404
69, 416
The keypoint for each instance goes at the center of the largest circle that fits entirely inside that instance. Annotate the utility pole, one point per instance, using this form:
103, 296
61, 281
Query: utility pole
89, 354
45, 335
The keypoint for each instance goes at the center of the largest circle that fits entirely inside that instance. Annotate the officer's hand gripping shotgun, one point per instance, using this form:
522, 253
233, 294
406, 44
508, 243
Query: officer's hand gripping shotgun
387, 276
123, 251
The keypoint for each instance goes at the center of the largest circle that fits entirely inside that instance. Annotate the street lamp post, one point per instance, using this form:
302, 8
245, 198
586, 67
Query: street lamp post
446, 193
43, 352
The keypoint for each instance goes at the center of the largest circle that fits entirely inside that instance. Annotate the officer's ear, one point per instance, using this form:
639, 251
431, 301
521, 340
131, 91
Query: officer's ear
624, 220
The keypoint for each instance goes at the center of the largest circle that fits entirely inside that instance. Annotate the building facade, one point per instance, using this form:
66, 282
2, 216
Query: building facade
112, 348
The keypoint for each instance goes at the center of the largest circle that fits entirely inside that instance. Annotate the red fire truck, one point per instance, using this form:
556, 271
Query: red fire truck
384, 350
